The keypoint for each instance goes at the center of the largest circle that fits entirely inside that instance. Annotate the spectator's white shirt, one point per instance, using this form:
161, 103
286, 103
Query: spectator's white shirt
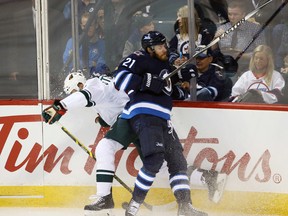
249, 81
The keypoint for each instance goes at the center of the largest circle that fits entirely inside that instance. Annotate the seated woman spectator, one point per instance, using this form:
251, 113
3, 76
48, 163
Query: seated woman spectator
261, 83
205, 31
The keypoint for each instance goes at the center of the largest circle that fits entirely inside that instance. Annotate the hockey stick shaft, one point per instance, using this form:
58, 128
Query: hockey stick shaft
217, 39
148, 206
261, 29
78, 142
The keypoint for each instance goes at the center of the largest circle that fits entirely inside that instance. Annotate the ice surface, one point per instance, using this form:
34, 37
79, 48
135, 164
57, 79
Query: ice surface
78, 211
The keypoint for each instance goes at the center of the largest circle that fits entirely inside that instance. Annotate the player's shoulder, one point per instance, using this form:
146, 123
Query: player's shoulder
98, 81
138, 55
137, 59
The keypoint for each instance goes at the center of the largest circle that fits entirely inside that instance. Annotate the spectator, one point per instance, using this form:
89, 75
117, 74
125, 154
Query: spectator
280, 43
284, 69
233, 43
261, 83
100, 24
100, 68
83, 6
205, 30
212, 85
118, 20
143, 23
95, 46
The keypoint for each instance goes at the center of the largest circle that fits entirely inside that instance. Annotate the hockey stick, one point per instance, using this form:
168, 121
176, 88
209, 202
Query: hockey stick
216, 40
261, 29
148, 206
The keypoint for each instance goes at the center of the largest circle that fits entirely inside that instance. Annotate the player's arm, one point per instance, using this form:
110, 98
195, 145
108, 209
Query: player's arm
128, 77
59, 107
127, 81
131, 82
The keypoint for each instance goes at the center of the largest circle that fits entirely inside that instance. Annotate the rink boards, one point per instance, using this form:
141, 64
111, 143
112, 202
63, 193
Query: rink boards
41, 166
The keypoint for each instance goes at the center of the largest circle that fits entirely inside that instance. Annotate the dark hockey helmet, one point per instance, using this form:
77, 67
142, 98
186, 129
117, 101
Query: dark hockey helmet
152, 38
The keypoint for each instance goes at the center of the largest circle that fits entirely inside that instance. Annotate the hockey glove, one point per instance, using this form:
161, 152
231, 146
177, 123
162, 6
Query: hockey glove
54, 112
188, 72
152, 83
99, 120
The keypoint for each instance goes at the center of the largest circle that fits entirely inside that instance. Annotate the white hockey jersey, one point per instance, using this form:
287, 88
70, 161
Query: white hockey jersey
100, 94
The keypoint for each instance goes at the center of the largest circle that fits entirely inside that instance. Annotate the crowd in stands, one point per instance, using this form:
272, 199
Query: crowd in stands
220, 68
112, 29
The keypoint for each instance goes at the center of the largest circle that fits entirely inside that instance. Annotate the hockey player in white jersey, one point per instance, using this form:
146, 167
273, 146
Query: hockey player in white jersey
100, 93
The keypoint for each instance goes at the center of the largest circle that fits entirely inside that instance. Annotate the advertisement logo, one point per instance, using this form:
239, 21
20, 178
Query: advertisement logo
231, 161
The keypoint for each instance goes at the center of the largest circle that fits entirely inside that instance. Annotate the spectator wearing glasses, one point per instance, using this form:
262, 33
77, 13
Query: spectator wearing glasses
212, 85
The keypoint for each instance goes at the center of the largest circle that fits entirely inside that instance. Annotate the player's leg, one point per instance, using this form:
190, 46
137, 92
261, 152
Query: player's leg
150, 133
214, 181
119, 137
105, 154
177, 167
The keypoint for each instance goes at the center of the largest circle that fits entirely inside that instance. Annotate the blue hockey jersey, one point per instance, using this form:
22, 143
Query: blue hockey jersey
129, 77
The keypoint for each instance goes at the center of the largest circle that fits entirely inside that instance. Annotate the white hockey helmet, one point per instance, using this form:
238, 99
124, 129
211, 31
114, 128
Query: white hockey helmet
72, 80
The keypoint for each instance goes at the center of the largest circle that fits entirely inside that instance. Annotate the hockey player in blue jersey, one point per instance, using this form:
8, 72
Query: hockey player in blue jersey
141, 76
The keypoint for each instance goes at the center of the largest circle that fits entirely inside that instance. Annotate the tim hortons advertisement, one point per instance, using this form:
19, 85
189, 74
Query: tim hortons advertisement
248, 145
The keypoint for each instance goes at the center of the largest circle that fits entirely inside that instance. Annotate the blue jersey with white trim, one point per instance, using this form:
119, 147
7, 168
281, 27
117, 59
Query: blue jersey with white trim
129, 77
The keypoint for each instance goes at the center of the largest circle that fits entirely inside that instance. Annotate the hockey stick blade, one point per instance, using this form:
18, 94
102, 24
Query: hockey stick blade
216, 40
148, 206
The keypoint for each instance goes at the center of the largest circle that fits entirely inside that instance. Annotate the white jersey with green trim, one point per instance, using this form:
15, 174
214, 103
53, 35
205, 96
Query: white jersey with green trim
99, 93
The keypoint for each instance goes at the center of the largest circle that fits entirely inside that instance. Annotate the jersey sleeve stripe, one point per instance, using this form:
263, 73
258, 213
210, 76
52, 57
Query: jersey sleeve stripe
87, 95
122, 80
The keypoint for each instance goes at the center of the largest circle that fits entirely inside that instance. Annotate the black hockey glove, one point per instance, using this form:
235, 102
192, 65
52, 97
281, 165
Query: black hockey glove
152, 83
188, 72
54, 112
99, 120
